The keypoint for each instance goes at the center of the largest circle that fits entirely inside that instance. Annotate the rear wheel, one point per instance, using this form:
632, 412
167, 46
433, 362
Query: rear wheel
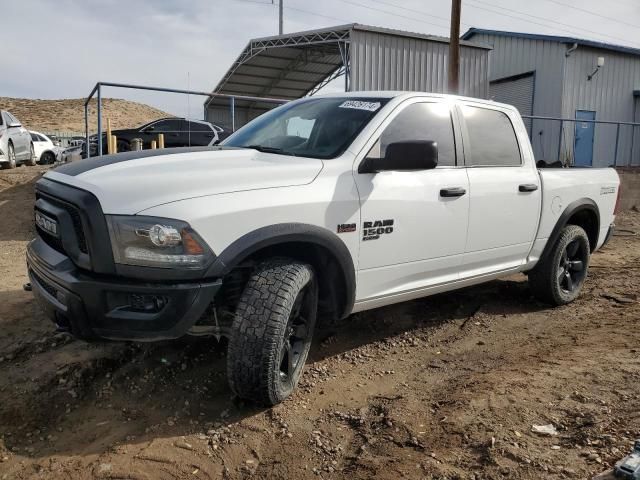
272, 330
47, 158
558, 279
123, 146
32, 159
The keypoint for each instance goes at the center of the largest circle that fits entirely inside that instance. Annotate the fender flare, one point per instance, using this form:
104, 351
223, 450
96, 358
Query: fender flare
571, 209
272, 235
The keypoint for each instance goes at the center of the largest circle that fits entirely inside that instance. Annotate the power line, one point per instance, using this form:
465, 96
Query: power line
522, 14
591, 12
316, 14
301, 10
575, 28
351, 2
413, 10
572, 32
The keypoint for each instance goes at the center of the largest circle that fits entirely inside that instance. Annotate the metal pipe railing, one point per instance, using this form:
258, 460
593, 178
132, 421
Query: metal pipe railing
562, 120
97, 90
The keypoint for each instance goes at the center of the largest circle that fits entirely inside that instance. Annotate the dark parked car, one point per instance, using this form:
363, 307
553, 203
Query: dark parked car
178, 132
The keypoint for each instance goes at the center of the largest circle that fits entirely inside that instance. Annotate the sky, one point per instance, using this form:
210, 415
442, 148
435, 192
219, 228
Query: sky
61, 48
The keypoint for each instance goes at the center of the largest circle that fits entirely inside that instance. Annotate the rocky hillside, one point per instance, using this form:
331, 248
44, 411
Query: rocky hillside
67, 115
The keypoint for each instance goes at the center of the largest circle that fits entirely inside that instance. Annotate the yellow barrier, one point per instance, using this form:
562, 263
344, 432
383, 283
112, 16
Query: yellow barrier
161, 140
109, 145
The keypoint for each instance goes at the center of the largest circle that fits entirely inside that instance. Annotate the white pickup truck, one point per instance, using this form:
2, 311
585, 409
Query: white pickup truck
322, 207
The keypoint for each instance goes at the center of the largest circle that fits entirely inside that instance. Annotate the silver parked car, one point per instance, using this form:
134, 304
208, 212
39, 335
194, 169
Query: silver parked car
15, 142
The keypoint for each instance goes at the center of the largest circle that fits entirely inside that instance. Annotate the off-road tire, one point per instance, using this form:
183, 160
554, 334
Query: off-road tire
32, 159
11, 156
547, 278
259, 334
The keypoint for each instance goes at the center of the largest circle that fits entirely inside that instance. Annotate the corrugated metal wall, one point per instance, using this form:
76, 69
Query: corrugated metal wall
514, 56
517, 92
609, 94
391, 62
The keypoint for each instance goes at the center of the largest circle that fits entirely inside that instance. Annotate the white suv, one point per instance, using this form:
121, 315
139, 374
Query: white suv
15, 142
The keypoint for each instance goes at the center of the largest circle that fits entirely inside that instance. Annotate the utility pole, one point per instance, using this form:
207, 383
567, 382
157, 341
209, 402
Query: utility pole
454, 47
280, 17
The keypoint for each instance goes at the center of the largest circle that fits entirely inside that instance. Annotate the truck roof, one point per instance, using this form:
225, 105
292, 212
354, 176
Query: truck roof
409, 94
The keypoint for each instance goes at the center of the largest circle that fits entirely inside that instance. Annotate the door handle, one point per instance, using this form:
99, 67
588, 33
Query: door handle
452, 192
528, 187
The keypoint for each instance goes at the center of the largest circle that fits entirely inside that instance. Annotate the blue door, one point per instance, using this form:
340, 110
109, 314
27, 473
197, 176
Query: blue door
583, 146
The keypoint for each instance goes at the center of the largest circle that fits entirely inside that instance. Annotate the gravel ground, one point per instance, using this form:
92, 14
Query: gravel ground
447, 387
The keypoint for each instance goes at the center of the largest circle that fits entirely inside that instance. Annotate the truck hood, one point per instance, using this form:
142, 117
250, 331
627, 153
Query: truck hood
130, 182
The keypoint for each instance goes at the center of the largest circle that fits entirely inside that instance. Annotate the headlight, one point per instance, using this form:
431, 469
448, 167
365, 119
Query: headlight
156, 242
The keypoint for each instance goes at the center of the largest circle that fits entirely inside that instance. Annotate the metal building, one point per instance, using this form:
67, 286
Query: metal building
572, 78
370, 58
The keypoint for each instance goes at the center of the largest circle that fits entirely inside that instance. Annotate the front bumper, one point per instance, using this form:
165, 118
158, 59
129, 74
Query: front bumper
104, 306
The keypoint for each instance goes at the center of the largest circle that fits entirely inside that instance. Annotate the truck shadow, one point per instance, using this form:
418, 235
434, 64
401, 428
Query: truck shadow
59, 395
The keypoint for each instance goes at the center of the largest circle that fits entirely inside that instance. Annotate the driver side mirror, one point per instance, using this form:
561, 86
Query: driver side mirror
14, 125
404, 156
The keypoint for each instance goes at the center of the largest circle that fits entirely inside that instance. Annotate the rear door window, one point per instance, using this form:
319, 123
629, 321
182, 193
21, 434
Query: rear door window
493, 141
168, 126
197, 127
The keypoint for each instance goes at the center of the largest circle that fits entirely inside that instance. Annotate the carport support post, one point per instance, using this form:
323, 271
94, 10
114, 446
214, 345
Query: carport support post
233, 114
99, 121
86, 128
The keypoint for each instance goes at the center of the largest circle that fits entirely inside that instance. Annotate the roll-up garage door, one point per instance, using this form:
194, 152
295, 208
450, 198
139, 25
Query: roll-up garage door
516, 91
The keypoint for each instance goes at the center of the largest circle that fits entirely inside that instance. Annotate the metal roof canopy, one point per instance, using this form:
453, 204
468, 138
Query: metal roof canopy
298, 64
552, 38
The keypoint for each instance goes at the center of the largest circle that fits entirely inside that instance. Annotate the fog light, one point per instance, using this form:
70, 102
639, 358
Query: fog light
147, 303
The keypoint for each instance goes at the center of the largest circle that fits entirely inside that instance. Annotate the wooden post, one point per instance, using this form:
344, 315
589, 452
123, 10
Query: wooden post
161, 140
153, 144
454, 47
109, 148
114, 144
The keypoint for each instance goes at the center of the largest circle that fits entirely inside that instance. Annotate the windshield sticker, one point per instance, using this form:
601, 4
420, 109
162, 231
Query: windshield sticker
358, 105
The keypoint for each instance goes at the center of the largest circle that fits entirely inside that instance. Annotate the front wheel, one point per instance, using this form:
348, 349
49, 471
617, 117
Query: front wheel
272, 330
11, 156
559, 277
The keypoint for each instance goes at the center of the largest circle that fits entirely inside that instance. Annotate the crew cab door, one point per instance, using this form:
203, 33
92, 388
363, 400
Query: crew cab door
504, 186
413, 223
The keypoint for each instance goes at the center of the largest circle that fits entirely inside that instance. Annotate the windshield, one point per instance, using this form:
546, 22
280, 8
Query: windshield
317, 127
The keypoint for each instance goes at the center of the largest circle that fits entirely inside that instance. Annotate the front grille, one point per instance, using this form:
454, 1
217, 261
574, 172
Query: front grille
77, 225
53, 242
50, 289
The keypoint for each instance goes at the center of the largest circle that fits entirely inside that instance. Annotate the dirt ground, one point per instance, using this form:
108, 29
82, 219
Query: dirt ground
446, 387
